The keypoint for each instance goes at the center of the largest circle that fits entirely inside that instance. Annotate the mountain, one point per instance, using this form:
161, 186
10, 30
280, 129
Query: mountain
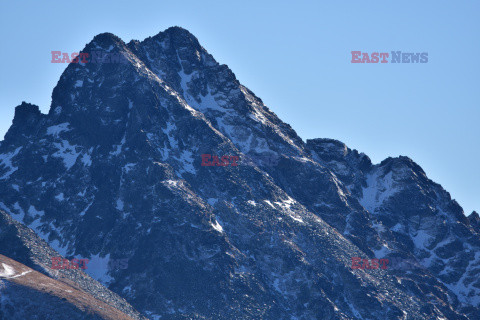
29, 253
28, 294
114, 171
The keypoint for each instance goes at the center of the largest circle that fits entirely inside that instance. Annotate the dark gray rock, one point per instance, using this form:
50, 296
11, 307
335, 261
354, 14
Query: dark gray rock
114, 171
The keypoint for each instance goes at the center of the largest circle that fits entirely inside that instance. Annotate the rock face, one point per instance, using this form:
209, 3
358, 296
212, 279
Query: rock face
28, 294
114, 172
26, 251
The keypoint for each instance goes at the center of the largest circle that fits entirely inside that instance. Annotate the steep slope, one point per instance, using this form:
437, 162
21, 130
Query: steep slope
28, 294
176, 57
21, 244
114, 170
474, 220
427, 223
416, 219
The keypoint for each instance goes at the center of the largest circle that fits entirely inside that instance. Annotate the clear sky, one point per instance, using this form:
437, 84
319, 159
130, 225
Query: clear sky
295, 55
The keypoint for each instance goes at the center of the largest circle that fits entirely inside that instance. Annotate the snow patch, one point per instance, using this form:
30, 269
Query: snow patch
85, 210
251, 202
382, 252
9, 272
187, 160
128, 167
119, 204
57, 129
66, 152
421, 239
86, 159
379, 188
269, 203
6, 163
217, 226
97, 268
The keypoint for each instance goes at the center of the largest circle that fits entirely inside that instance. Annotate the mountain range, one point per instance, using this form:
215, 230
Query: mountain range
114, 171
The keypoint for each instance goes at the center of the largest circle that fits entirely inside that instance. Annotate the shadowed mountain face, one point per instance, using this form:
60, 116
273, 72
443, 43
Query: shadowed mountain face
114, 171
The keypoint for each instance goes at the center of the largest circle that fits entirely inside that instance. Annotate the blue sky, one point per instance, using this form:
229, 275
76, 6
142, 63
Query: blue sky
295, 55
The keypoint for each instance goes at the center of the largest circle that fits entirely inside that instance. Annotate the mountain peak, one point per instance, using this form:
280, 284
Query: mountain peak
474, 216
330, 149
328, 145
178, 32
474, 219
121, 156
106, 38
26, 117
26, 112
177, 37
106, 42
402, 162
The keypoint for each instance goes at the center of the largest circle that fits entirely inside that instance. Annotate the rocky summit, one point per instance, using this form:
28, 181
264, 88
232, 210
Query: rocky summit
114, 172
